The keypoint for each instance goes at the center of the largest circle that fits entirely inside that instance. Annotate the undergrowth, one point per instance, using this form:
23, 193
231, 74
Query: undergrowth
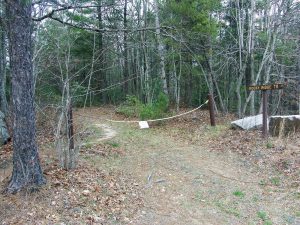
133, 107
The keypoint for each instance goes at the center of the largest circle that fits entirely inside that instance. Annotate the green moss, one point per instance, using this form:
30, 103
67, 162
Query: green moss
239, 194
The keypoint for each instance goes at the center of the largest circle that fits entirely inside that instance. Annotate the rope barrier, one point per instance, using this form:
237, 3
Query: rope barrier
161, 119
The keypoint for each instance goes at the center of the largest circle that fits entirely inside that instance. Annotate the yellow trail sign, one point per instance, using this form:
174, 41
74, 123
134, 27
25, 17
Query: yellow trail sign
265, 87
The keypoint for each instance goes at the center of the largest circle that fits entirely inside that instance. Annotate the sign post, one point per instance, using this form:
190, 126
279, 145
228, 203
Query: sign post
264, 89
211, 110
265, 113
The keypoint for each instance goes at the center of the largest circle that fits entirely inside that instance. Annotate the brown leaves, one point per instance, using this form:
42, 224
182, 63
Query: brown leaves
85, 195
242, 142
6, 151
195, 129
102, 149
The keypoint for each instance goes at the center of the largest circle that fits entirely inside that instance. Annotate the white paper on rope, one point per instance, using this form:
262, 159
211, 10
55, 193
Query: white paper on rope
143, 124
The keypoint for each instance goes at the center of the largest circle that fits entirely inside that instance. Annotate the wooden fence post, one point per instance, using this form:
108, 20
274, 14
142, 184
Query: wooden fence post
211, 110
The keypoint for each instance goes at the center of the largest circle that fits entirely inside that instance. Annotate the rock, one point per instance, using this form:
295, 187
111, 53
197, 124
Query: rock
98, 219
4, 136
86, 192
284, 125
248, 123
77, 210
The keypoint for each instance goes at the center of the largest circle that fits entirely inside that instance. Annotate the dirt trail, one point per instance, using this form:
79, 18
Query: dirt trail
187, 183
182, 179
107, 132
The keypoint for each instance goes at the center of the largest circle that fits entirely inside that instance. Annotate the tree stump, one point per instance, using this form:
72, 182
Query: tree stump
284, 125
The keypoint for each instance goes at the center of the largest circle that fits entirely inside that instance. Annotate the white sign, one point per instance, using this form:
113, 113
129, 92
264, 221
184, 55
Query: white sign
143, 124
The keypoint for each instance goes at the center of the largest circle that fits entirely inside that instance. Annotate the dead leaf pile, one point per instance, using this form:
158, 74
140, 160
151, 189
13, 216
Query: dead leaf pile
280, 153
283, 154
82, 196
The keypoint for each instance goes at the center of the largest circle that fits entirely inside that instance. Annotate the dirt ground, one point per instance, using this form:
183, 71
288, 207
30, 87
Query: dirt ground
177, 172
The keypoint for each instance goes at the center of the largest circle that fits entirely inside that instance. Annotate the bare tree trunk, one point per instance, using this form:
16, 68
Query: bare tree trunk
251, 33
258, 75
3, 55
223, 108
146, 57
66, 150
240, 28
102, 75
160, 51
298, 69
146, 72
125, 53
88, 92
178, 79
213, 82
173, 83
26, 163
3, 100
268, 66
70, 154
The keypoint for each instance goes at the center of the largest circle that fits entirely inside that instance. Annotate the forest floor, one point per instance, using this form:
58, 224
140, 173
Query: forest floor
178, 172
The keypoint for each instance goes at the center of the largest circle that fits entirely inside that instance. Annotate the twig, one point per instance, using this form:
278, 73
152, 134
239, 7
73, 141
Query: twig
231, 178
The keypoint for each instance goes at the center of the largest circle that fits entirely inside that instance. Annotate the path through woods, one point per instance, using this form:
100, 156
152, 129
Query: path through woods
179, 172
188, 182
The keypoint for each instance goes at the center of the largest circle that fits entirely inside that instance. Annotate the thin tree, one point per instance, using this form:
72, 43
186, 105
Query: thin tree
160, 49
125, 53
101, 73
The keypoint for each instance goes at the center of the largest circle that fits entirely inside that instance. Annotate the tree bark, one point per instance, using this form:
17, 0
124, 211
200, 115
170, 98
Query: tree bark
3, 100
126, 69
250, 64
240, 29
146, 66
102, 75
160, 51
298, 71
27, 171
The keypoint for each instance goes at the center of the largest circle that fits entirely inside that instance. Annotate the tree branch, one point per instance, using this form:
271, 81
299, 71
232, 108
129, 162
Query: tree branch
106, 29
63, 8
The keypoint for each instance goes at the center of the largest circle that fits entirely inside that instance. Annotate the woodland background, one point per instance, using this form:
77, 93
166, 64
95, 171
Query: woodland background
153, 53
146, 59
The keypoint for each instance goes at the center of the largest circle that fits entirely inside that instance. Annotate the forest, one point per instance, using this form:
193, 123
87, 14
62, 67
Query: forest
69, 69
100, 52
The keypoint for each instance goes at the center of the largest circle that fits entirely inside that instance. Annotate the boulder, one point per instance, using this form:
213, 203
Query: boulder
284, 125
4, 136
248, 123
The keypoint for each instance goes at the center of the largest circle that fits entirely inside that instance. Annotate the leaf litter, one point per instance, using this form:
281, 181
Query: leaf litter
85, 195
283, 153
88, 195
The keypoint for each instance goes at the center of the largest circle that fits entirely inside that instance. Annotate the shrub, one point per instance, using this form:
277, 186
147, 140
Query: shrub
133, 107
156, 110
147, 112
162, 103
